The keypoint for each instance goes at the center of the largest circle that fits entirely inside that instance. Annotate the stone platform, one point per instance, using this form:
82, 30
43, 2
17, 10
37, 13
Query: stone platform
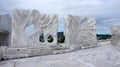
106, 55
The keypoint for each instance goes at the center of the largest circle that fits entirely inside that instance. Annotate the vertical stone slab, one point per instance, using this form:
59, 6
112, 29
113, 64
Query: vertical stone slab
46, 24
21, 19
49, 26
71, 29
5, 30
87, 34
115, 35
75, 34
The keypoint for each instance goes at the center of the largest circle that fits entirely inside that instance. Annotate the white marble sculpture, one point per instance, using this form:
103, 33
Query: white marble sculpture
46, 24
76, 35
49, 26
115, 35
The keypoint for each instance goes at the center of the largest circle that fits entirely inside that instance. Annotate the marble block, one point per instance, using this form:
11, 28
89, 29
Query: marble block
3, 49
115, 35
80, 31
11, 53
43, 24
15, 56
39, 51
17, 51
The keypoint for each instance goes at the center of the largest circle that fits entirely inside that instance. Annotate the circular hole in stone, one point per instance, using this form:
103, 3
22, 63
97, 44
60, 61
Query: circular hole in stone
50, 39
41, 38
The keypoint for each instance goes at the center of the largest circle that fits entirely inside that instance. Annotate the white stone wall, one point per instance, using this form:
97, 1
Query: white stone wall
71, 29
46, 24
49, 26
115, 35
75, 34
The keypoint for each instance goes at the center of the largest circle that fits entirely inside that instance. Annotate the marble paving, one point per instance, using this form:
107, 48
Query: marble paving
105, 55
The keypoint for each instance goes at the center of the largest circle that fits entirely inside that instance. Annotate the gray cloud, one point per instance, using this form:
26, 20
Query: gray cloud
6, 6
105, 11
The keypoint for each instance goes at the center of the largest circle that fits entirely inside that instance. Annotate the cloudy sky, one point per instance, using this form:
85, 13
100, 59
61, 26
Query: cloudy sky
107, 12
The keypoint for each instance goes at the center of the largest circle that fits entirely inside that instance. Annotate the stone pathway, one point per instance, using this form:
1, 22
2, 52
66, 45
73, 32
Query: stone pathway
105, 55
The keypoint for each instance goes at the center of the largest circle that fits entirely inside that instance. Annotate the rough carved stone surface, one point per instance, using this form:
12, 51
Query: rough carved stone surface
13, 53
75, 34
49, 26
115, 35
5, 30
38, 51
16, 51
3, 48
46, 24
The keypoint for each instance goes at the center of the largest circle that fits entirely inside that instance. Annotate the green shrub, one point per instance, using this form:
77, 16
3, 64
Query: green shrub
61, 39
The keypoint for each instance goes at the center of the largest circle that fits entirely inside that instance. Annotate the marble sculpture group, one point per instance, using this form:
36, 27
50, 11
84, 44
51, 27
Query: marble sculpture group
79, 33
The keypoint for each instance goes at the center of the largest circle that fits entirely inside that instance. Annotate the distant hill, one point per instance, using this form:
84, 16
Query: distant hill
103, 36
